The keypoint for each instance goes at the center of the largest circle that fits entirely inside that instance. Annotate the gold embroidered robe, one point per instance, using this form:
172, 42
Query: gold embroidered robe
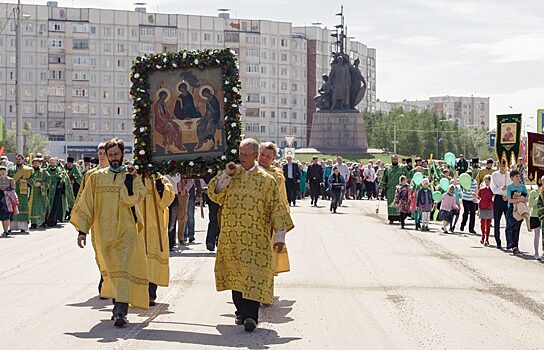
250, 210
104, 210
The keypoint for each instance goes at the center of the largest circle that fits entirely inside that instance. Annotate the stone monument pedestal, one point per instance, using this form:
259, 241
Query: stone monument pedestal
339, 132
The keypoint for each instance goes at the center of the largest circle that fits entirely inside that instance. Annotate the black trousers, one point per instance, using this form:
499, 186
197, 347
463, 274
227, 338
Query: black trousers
152, 291
100, 284
213, 224
500, 207
469, 212
245, 308
120, 308
52, 218
335, 198
314, 190
291, 187
512, 229
172, 220
370, 189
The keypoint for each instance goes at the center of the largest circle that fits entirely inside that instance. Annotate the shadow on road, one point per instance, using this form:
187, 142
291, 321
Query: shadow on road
95, 303
277, 313
229, 336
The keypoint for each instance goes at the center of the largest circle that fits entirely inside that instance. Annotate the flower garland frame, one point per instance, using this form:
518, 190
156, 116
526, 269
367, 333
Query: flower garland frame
226, 60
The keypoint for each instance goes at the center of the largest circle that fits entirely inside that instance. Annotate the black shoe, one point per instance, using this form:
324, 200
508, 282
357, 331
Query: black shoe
250, 324
152, 302
120, 320
102, 298
238, 320
499, 246
33, 227
515, 251
462, 229
191, 239
472, 231
334, 210
210, 247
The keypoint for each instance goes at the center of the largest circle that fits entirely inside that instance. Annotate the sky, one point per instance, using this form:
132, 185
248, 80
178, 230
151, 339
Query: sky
486, 48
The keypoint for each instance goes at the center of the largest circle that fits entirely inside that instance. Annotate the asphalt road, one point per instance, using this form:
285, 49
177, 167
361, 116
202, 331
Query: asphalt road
356, 283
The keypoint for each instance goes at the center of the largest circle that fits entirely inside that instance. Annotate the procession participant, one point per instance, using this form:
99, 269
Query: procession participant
462, 165
337, 184
6, 184
267, 154
389, 183
75, 179
327, 171
248, 197
369, 176
315, 177
58, 191
291, 173
482, 173
402, 199
303, 171
212, 234
39, 200
108, 209
410, 170
475, 167
485, 195
46, 160
173, 210
154, 209
20, 174
512, 225
344, 171
500, 179
534, 220
469, 206
86, 165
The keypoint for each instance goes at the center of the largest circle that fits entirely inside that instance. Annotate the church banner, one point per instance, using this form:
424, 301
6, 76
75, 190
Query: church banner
536, 156
507, 143
186, 111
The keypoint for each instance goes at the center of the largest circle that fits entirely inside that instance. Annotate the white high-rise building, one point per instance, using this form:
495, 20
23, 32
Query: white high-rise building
76, 63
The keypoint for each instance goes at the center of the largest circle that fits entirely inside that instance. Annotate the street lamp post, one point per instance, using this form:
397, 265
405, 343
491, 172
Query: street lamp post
19, 79
395, 142
438, 136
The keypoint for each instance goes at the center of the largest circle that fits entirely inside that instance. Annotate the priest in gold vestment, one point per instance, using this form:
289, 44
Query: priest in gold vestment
154, 208
108, 208
248, 197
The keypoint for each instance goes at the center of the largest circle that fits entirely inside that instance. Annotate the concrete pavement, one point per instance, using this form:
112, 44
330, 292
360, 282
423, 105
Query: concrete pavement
355, 283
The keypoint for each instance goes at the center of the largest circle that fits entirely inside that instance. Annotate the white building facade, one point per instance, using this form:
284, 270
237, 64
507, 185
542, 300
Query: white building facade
76, 63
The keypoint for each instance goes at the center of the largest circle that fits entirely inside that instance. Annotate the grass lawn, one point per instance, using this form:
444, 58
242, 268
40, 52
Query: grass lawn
386, 158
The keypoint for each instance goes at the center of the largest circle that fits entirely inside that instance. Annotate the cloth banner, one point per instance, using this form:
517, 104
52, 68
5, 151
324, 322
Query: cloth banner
536, 156
507, 145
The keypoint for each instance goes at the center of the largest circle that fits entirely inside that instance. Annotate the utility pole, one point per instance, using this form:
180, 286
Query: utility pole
395, 138
19, 79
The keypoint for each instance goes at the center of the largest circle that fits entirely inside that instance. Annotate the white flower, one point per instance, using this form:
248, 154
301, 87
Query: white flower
136, 167
217, 61
184, 55
233, 151
234, 106
191, 163
137, 75
142, 152
142, 129
233, 125
235, 89
210, 53
150, 165
210, 170
196, 61
165, 60
158, 67
223, 158
233, 52
174, 65
139, 99
225, 100
227, 82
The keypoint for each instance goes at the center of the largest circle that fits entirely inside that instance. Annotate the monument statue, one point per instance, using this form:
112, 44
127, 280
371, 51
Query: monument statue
344, 88
338, 127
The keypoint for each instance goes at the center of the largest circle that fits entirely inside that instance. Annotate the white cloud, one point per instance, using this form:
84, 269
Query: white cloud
520, 48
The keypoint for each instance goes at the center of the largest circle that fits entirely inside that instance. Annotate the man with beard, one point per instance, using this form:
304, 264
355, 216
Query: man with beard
488, 170
315, 177
109, 208
388, 184
20, 174
39, 188
410, 170
75, 179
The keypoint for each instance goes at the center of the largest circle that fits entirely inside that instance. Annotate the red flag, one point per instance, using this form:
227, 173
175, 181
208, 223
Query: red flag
1, 150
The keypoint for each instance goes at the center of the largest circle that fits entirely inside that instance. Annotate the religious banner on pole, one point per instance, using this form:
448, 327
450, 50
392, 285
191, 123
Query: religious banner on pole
508, 140
536, 156
540, 121
186, 111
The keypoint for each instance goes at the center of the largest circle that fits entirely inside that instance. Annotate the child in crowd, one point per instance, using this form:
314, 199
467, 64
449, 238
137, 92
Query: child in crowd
485, 195
402, 199
513, 226
455, 213
425, 204
534, 220
446, 208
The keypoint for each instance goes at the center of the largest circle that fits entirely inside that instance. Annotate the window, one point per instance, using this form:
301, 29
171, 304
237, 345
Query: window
273, 114
134, 32
106, 110
252, 97
147, 48
55, 90
121, 48
107, 47
120, 110
29, 59
294, 115
283, 57
232, 37
80, 60
55, 107
121, 63
56, 59
147, 31
93, 30
28, 92
106, 79
41, 110
80, 92
252, 68
294, 101
294, 87
263, 114
56, 43
219, 38
43, 76
283, 115
106, 125
81, 44
106, 63
82, 76
283, 86
263, 100
80, 27
283, 129
29, 76
283, 71
263, 129
121, 32
106, 31
294, 129
194, 36
284, 42
121, 126
106, 94
263, 70
283, 101
80, 108
29, 43
252, 53
207, 37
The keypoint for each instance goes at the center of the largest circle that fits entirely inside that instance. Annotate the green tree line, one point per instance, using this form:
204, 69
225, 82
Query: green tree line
425, 133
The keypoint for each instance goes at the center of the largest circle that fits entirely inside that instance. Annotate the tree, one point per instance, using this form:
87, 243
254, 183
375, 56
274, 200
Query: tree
34, 142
